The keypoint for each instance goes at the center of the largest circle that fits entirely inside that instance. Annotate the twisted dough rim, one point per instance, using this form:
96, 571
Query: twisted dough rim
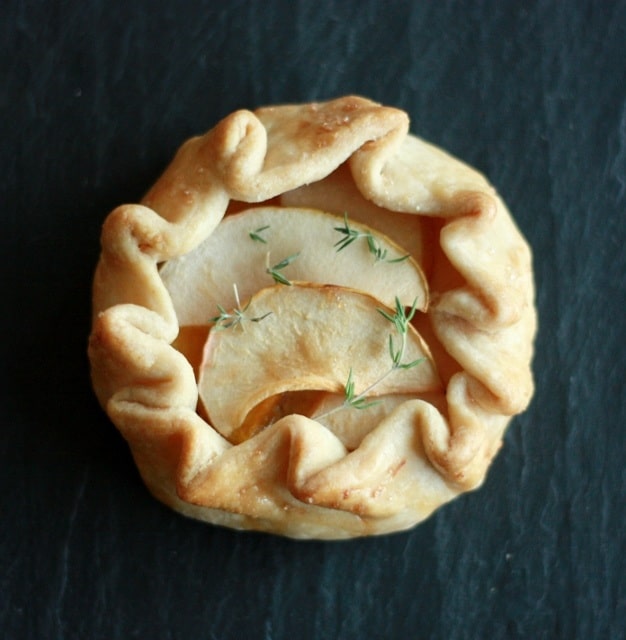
295, 478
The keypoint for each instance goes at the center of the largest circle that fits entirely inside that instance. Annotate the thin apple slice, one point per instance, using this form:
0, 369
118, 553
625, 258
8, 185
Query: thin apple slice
338, 194
204, 278
313, 337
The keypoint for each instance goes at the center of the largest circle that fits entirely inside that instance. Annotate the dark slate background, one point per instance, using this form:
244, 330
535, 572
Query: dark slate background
94, 98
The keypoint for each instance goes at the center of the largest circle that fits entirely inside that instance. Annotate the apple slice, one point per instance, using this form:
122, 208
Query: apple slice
313, 338
338, 194
203, 279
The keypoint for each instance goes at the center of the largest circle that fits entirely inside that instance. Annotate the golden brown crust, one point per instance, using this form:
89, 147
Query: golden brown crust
296, 477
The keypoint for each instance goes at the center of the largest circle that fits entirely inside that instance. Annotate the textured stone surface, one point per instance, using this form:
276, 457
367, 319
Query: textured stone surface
94, 99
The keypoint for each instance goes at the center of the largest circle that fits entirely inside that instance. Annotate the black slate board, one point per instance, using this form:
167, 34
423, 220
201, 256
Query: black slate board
94, 98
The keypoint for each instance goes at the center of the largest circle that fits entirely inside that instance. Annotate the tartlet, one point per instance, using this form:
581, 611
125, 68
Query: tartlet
229, 330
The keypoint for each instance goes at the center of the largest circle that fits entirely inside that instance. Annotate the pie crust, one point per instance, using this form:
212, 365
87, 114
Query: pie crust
296, 477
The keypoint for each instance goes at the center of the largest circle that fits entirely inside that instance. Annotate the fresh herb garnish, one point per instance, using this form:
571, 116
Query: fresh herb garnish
359, 401
350, 235
226, 320
400, 319
256, 234
275, 270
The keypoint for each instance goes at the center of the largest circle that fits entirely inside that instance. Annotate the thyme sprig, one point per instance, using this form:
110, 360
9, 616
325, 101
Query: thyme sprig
228, 320
400, 320
275, 270
359, 401
256, 234
350, 235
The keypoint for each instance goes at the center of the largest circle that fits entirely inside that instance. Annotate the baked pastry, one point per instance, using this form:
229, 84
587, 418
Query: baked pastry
315, 324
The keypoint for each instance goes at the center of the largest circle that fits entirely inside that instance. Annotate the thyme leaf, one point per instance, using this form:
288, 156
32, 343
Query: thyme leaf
234, 318
400, 320
256, 234
350, 235
356, 401
275, 270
